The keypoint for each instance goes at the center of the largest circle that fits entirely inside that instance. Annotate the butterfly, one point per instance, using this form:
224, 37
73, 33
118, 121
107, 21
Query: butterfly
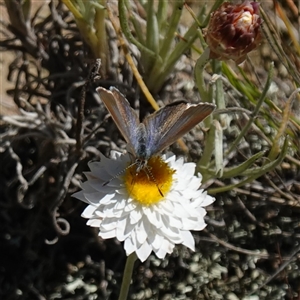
158, 130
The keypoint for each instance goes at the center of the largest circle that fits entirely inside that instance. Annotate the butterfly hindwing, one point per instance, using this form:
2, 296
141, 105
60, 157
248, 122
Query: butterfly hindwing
159, 123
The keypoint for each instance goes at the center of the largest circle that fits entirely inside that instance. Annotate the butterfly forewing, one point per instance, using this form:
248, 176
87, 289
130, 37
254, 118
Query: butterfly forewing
123, 115
173, 122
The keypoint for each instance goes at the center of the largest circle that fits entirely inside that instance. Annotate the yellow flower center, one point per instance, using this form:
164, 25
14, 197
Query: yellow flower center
150, 184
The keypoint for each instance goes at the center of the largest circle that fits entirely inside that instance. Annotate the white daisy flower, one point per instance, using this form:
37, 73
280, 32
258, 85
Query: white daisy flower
151, 210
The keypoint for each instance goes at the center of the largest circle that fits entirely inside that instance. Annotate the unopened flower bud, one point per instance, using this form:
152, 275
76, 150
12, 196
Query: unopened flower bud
233, 31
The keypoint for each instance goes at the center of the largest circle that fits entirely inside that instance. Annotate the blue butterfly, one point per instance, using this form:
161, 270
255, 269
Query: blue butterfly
158, 130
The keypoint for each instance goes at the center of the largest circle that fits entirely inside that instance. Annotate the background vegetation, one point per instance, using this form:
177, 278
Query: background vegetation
249, 157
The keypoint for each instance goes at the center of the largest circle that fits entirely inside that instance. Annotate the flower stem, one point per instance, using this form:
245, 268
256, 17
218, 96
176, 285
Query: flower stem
127, 276
198, 73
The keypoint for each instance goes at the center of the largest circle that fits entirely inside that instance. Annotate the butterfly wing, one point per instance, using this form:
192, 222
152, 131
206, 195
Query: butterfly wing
159, 123
123, 115
172, 121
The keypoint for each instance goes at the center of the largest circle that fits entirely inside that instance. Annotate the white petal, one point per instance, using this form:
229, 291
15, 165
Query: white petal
109, 224
208, 200
89, 211
129, 228
141, 233
188, 240
144, 251
107, 199
155, 240
94, 222
129, 246
119, 206
97, 171
160, 253
176, 222
80, 196
121, 228
153, 216
135, 216
94, 198
107, 235
166, 207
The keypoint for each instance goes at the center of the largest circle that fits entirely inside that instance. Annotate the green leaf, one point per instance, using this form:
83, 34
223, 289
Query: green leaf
238, 170
254, 173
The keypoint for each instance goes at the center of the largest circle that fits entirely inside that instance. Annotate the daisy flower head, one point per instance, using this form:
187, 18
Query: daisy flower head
151, 209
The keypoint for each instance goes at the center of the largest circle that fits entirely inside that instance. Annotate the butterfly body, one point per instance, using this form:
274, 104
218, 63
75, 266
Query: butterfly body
140, 148
158, 130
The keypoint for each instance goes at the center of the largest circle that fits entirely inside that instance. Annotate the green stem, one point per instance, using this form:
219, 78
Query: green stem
256, 110
203, 163
152, 40
164, 52
198, 73
220, 99
162, 12
169, 37
152, 37
158, 76
223, 119
126, 30
127, 276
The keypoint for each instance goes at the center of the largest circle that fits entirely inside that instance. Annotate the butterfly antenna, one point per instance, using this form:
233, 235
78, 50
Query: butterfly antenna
151, 177
118, 174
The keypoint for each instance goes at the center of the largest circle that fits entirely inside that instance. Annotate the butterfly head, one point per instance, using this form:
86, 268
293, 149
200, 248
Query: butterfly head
141, 164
